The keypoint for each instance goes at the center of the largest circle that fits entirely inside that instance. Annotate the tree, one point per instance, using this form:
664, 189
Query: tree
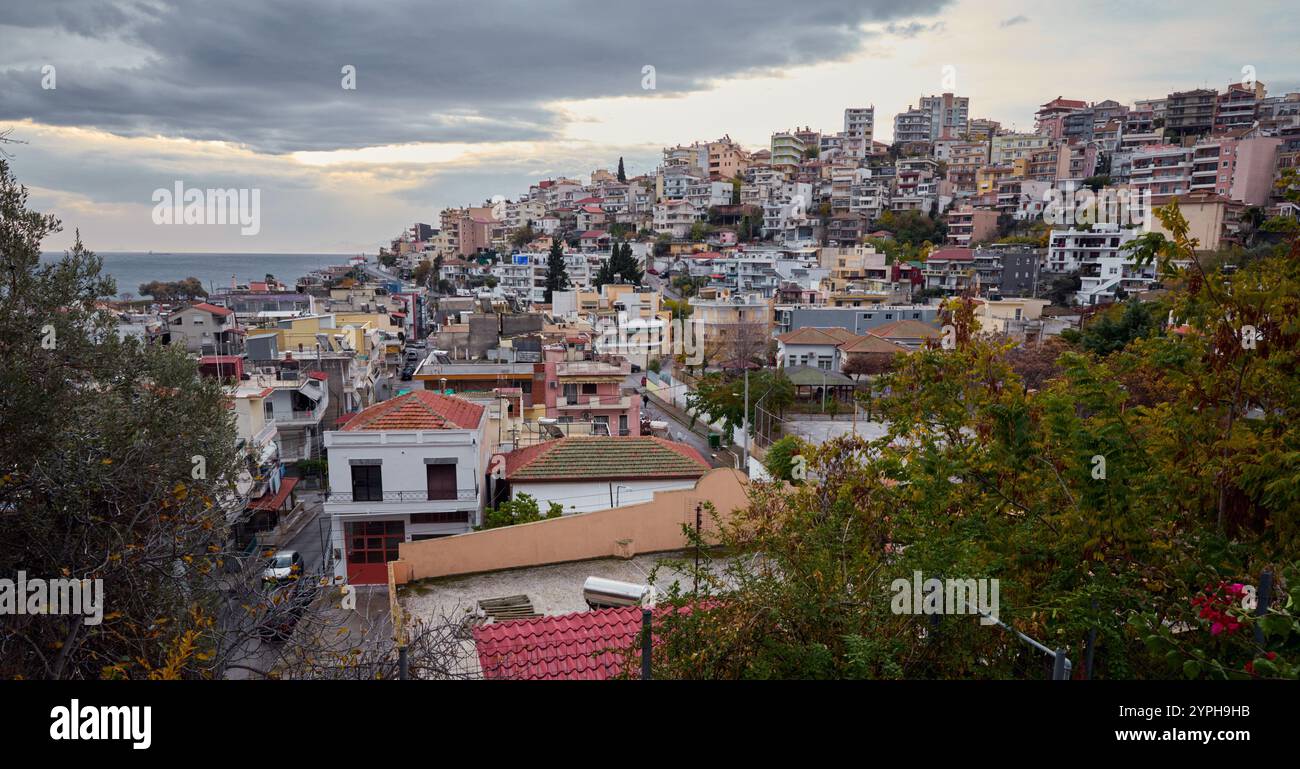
184, 290
422, 273
1129, 500
103, 487
522, 509
1062, 289
557, 276
720, 396
622, 175
784, 456
1108, 334
136, 486
621, 266
522, 236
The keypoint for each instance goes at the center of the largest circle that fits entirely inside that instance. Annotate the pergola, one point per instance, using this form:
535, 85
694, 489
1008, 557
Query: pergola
810, 382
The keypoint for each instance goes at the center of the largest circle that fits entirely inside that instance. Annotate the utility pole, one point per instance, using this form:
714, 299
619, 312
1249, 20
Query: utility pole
744, 424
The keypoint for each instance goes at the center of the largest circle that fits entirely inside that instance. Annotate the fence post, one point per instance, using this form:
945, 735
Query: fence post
1060, 666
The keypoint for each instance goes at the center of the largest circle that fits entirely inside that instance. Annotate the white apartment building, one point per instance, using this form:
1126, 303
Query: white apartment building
675, 217
860, 122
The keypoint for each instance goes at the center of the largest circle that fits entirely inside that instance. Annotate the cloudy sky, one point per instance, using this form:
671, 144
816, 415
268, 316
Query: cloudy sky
456, 102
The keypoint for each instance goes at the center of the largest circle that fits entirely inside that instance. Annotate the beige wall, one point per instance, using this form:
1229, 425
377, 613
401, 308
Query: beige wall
649, 527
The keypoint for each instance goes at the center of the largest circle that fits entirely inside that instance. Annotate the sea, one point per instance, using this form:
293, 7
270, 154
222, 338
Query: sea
216, 270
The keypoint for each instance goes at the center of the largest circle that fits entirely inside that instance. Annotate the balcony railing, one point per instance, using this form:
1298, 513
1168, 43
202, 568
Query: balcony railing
421, 495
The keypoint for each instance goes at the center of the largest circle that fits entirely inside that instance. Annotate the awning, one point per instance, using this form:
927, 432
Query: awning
275, 501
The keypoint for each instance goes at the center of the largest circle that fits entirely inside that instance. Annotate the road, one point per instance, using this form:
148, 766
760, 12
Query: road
678, 431
313, 539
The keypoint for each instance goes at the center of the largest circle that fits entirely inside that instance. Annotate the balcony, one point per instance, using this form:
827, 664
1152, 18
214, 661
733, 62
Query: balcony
400, 502
595, 402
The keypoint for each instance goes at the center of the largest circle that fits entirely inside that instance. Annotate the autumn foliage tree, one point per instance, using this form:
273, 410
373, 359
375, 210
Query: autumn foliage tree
1134, 496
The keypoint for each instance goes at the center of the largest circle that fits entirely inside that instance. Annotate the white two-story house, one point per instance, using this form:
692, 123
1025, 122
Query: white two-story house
407, 469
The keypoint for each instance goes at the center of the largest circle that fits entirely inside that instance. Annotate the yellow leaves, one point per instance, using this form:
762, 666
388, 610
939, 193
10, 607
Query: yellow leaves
180, 491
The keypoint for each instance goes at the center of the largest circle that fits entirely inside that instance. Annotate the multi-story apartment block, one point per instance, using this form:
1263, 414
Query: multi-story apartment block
950, 270
968, 226
860, 122
1075, 162
727, 159
1068, 250
983, 129
706, 194
1238, 106
1022, 199
787, 150
1007, 270
912, 128
1164, 170
692, 159
949, 116
1190, 113
1008, 148
1049, 118
675, 217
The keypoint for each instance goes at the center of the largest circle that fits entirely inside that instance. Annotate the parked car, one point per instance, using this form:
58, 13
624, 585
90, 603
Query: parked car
636, 369
283, 611
284, 566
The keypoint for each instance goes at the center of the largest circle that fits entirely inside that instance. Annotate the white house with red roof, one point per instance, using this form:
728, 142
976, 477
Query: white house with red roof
407, 469
587, 473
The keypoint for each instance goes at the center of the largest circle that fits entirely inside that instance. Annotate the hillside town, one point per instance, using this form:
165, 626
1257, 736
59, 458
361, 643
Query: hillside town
598, 358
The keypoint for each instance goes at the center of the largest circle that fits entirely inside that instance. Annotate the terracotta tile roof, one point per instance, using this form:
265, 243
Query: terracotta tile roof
418, 410
818, 335
872, 344
604, 457
905, 329
586, 645
212, 308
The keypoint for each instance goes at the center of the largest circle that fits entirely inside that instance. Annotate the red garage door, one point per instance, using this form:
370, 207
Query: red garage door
371, 545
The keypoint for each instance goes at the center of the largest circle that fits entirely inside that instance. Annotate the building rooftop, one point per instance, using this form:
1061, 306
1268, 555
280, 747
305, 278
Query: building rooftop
419, 410
604, 457
817, 335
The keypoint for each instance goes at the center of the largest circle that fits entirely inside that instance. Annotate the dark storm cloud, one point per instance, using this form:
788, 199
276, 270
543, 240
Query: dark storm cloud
268, 74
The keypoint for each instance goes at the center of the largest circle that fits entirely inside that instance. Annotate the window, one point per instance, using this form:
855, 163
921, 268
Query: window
367, 485
441, 480
589, 389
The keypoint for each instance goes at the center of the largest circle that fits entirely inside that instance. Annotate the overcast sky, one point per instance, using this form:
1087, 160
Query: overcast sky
456, 102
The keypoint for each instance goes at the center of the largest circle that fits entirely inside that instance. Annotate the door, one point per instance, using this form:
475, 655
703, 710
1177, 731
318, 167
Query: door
370, 546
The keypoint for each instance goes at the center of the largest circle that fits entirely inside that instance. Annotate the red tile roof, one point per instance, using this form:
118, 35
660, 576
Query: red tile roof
604, 457
586, 645
418, 410
212, 308
817, 335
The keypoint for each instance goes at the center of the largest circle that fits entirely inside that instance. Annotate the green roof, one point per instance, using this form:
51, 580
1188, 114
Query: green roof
808, 376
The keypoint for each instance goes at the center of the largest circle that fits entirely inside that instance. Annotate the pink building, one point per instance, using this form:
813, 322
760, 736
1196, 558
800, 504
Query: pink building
587, 391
